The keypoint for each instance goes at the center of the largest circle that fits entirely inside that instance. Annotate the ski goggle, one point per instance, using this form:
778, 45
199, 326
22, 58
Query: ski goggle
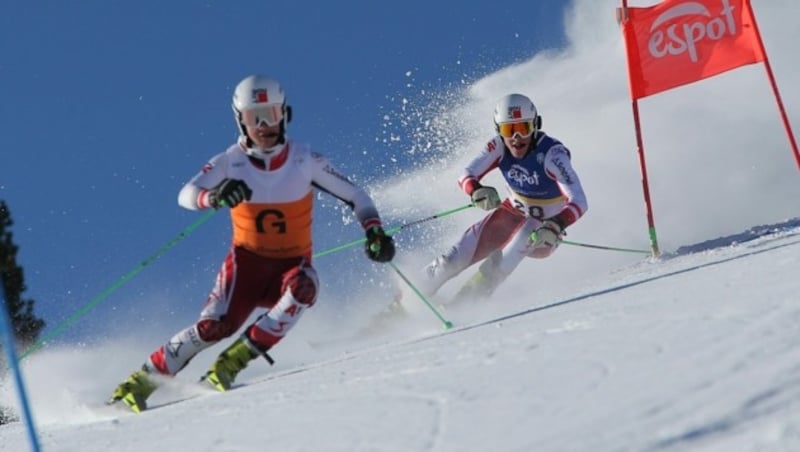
509, 129
270, 115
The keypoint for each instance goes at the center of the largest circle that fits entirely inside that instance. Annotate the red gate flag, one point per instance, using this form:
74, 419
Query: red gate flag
682, 41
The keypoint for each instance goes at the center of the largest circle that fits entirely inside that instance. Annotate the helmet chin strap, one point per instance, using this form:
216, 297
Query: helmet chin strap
262, 153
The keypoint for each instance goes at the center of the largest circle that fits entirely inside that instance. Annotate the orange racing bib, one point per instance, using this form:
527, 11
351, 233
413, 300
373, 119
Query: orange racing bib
275, 230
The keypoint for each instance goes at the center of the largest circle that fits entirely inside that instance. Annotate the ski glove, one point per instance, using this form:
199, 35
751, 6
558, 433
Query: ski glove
486, 198
229, 192
549, 234
379, 246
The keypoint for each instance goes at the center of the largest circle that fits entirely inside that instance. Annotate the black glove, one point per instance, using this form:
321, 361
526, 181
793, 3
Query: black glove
379, 246
229, 192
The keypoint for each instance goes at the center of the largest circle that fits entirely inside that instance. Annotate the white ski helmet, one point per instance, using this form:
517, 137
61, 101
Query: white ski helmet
516, 109
258, 99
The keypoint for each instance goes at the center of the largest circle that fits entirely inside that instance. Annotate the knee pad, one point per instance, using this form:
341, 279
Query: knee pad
302, 281
211, 330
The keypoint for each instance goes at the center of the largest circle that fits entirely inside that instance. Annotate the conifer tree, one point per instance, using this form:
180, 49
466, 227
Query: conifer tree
25, 325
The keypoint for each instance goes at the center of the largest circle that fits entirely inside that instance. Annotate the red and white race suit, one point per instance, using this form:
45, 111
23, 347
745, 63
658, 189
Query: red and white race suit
541, 186
269, 263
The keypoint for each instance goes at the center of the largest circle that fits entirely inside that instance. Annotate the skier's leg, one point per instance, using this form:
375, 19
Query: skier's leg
495, 239
516, 249
298, 293
226, 309
499, 265
475, 244
483, 282
446, 266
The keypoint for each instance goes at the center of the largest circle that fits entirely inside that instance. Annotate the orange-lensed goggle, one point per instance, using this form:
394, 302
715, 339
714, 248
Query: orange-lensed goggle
509, 129
271, 115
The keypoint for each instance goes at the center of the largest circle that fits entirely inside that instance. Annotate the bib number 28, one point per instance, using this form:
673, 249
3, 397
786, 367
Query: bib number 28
531, 211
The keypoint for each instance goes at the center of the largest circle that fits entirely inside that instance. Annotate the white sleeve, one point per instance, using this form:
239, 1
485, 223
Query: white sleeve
194, 195
327, 178
487, 160
558, 165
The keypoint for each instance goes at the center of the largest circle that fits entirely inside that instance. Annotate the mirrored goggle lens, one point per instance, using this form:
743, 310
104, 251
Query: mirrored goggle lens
270, 115
509, 129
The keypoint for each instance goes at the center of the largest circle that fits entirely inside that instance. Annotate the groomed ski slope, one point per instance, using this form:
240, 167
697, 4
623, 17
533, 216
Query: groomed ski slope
698, 351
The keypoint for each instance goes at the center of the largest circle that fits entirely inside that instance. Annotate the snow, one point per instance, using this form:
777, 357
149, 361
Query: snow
691, 351
588, 350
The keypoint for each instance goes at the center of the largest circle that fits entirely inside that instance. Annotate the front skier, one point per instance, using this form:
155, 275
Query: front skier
267, 181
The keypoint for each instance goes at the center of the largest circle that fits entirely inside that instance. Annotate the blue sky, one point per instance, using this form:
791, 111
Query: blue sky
109, 106
109, 121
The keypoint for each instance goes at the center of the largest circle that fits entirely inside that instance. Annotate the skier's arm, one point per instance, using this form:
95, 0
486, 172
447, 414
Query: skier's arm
327, 178
194, 195
378, 246
487, 160
558, 166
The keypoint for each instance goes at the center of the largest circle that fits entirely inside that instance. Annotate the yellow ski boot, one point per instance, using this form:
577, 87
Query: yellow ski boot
134, 391
229, 363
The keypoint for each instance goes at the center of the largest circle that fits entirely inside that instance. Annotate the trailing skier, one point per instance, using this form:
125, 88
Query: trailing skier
544, 198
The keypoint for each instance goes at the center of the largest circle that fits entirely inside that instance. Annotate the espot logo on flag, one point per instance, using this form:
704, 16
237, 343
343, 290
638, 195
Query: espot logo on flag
678, 42
260, 96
